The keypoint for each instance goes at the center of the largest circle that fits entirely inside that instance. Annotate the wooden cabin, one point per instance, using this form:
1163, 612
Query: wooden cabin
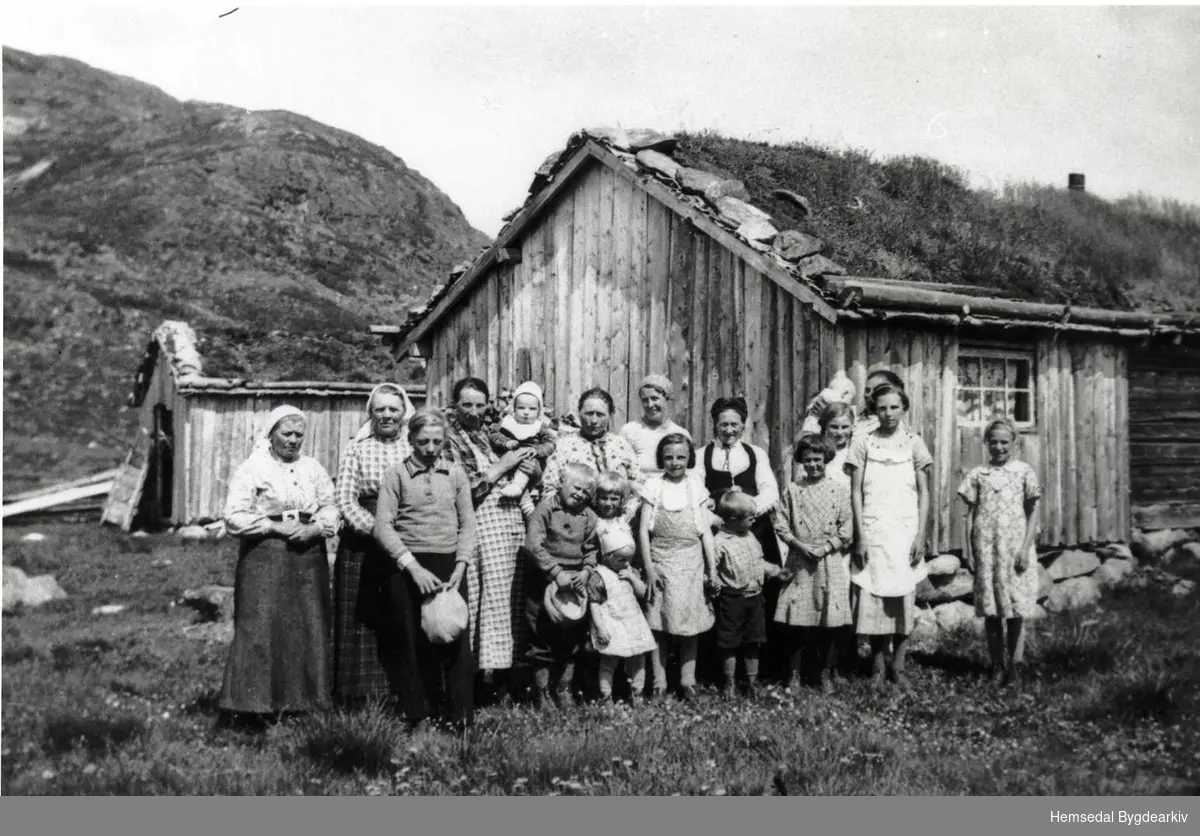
622, 262
194, 431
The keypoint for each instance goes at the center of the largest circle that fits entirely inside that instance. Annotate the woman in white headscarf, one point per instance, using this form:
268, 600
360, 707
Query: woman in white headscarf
280, 505
366, 661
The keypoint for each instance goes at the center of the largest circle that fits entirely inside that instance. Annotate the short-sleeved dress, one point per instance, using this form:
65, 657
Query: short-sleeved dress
890, 510
999, 494
816, 513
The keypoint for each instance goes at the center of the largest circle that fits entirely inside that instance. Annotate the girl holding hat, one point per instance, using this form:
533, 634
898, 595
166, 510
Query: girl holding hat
280, 505
524, 428
644, 434
365, 663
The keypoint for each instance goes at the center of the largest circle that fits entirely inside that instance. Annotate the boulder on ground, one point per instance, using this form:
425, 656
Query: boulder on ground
1073, 594
108, 609
1072, 564
213, 602
1045, 582
1112, 572
33, 537
20, 590
1184, 557
924, 637
214, 632
1150, 546
956, 615
1183, 588
193, 533
1119, 551
943, 564
945, 588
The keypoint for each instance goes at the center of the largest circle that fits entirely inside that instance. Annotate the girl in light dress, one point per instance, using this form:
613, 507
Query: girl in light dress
675, 538
1001, 498
619, 629
889, 472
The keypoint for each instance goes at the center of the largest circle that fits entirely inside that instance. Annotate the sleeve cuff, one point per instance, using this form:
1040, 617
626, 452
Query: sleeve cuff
406, 560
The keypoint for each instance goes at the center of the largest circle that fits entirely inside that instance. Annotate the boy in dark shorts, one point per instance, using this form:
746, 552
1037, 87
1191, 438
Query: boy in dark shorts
740, 610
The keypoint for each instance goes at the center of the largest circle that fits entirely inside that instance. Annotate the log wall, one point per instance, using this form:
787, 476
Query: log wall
1164, 428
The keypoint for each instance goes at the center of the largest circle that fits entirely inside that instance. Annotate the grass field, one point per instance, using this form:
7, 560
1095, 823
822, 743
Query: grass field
124, 704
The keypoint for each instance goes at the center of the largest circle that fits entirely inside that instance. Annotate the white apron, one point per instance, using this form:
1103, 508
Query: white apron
891, 516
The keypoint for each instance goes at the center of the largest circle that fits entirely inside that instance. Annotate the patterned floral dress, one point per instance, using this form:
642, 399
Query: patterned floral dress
608, 452
816, 513
998, 496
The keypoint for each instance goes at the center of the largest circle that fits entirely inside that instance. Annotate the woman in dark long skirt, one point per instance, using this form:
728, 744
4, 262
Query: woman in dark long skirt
280, 505
366, 660
425, 522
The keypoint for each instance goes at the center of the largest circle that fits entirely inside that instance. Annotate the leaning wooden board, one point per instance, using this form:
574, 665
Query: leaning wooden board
126, 493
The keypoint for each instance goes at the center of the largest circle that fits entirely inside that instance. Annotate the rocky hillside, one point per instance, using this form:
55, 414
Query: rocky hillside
277, 238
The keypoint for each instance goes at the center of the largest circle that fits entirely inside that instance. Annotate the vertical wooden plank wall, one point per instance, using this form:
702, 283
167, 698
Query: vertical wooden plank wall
219, 431
613, 285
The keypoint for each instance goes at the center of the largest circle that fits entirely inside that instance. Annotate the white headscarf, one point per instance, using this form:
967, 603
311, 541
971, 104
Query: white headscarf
263, 444
409, 410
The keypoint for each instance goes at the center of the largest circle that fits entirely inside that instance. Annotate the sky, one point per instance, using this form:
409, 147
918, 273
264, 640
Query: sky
474, 98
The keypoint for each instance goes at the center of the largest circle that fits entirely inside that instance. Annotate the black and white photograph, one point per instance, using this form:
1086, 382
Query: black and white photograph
581, 400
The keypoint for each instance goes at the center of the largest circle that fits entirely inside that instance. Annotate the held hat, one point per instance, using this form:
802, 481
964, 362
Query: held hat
564, 605
444, 616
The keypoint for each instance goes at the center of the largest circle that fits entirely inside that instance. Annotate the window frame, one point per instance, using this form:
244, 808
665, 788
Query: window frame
980, 351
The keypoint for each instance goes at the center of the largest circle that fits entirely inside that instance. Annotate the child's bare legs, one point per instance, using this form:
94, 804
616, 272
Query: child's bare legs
688, 647
564, 685
899, 658
750, 653
543, 698
635, 670
826, 654
608, 668
729, 669
658, 662
879, 649
993, 627
1016, 647
796, 636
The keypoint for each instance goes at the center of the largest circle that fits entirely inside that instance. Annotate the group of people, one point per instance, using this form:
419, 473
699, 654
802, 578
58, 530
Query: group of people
569, 541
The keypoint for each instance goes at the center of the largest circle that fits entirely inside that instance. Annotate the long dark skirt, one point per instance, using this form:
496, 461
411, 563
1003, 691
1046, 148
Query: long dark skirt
279, 660
366, 657
433, 673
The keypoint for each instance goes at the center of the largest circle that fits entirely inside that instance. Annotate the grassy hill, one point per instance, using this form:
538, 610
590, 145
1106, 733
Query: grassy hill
917, 219
277, 238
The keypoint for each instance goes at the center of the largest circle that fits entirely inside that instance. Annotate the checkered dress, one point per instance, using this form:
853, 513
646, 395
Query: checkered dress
494, 583
816, 514
361, 656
